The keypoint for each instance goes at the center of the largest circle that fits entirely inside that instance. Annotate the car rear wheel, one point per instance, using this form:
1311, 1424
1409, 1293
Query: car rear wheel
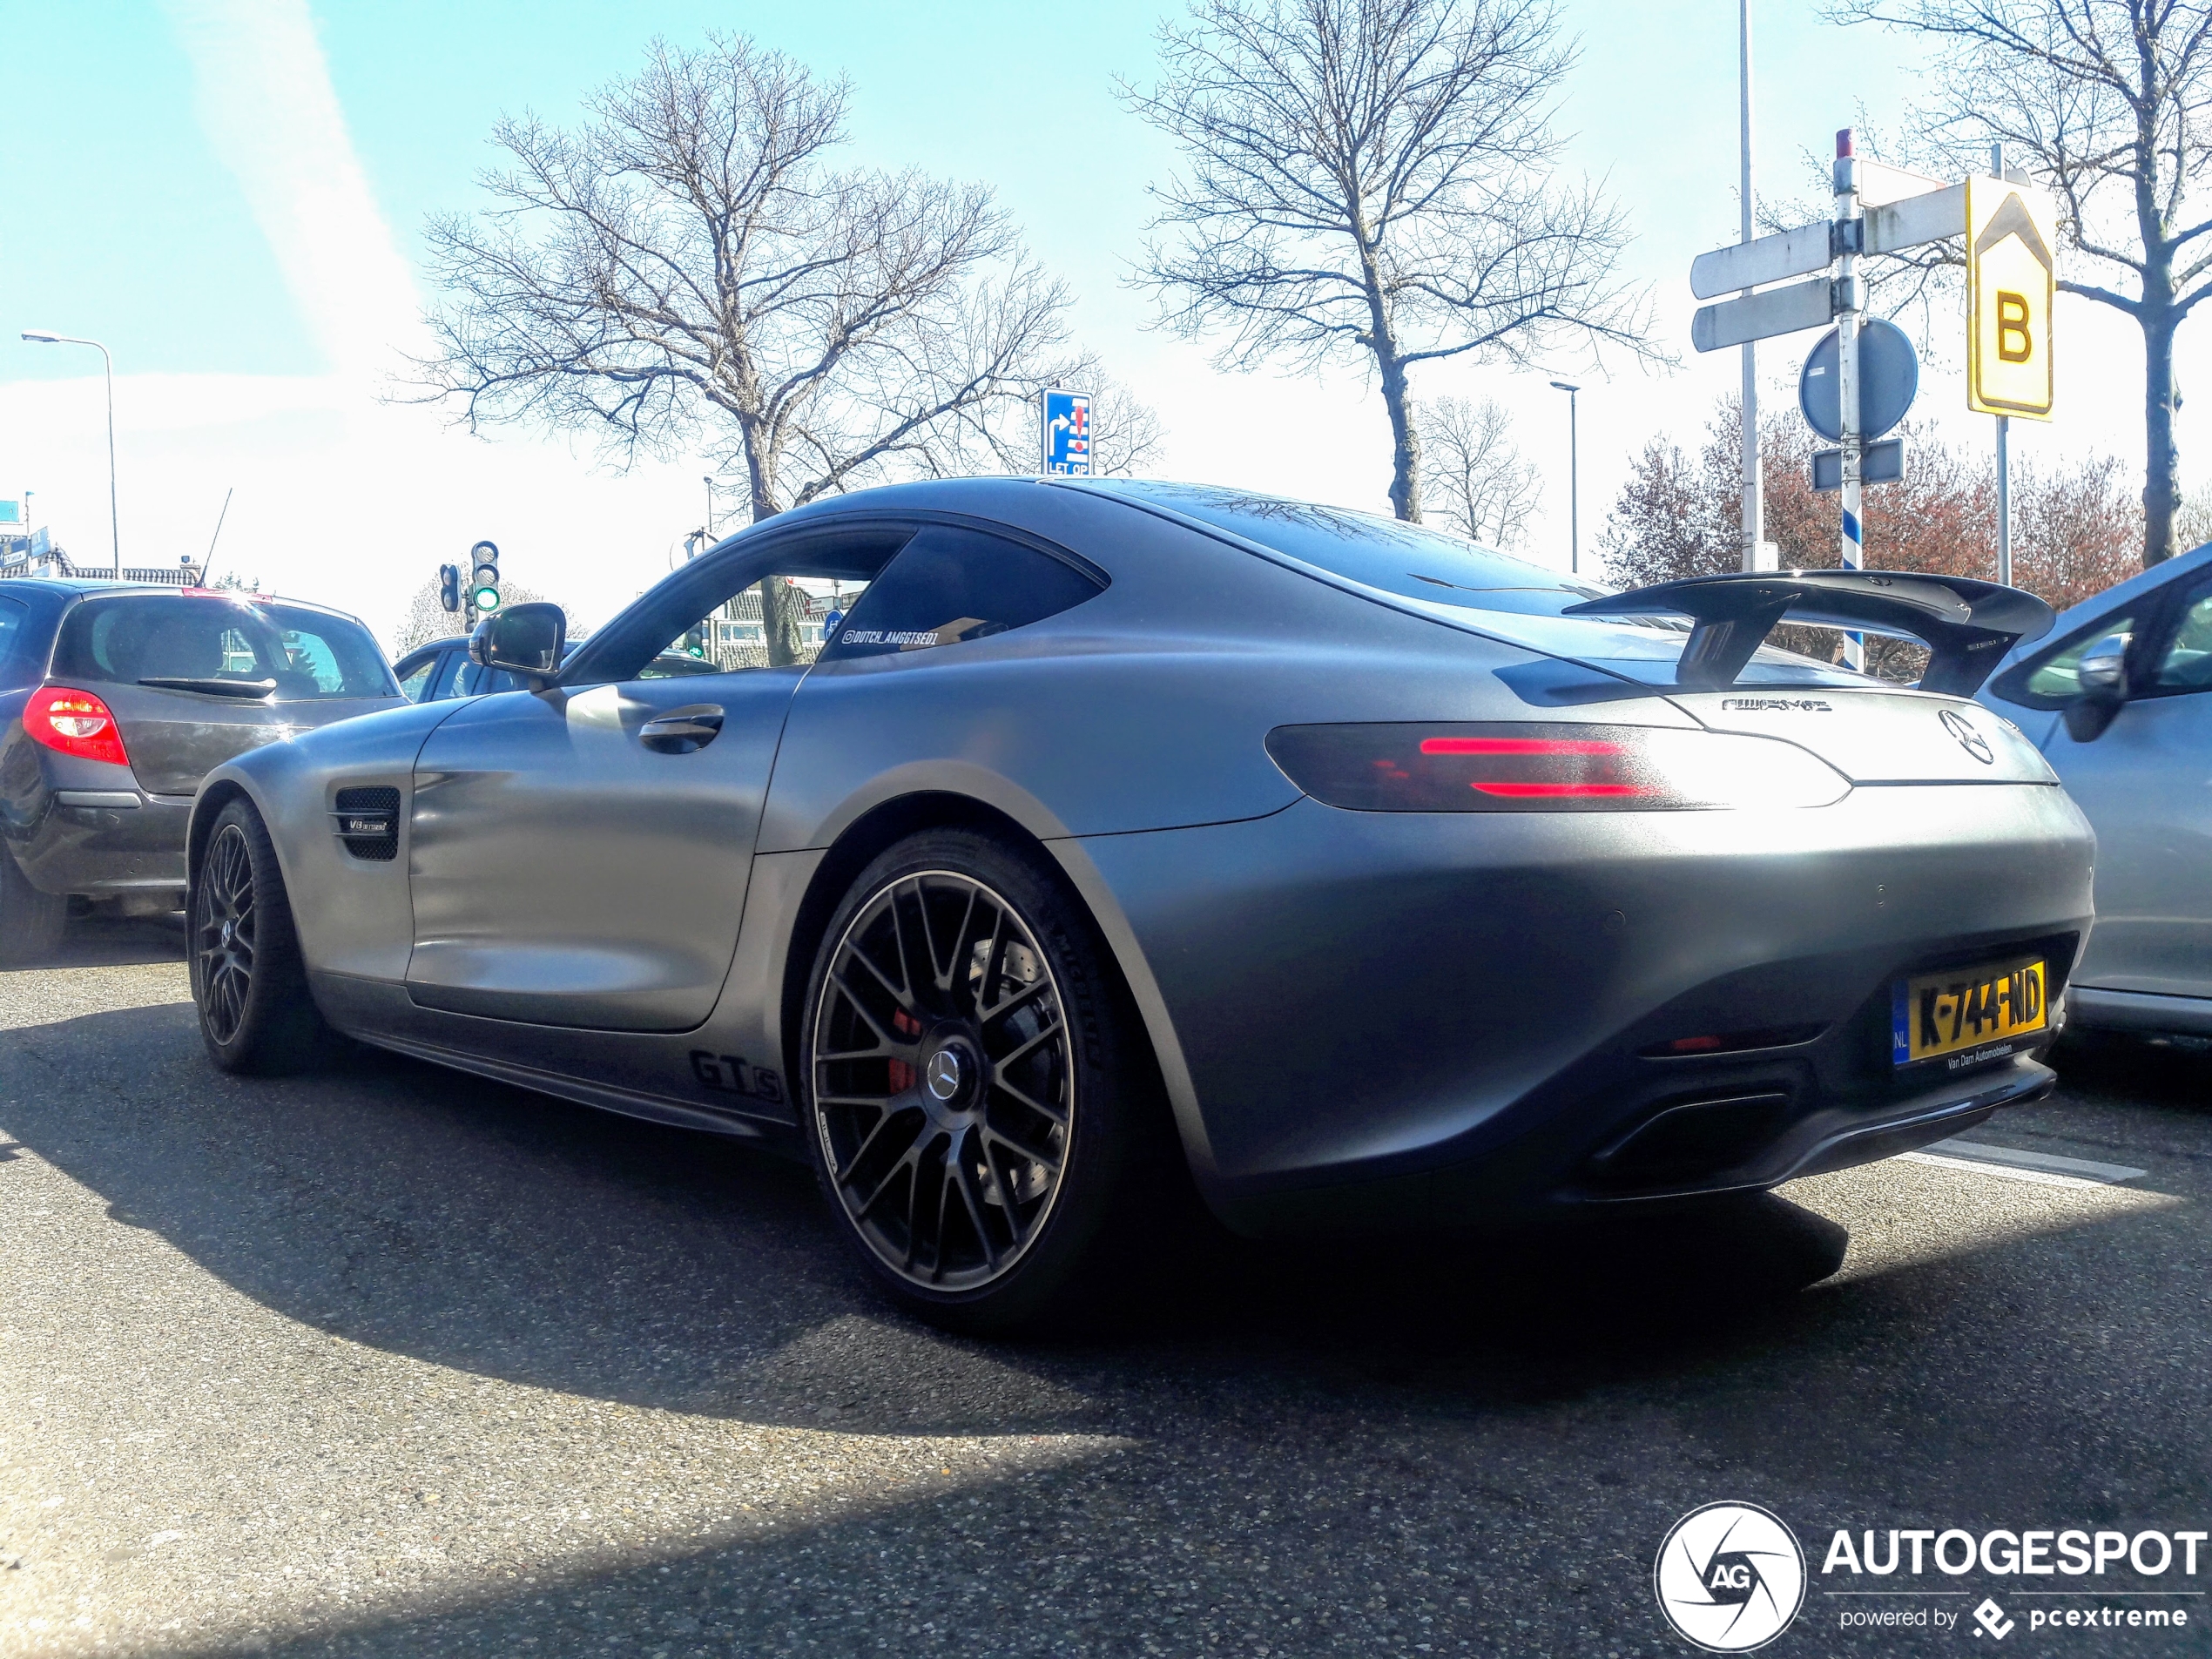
32, 922
255, 1012
980, 1101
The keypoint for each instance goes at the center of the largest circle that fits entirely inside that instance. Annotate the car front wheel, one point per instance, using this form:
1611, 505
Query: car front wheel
980, 1101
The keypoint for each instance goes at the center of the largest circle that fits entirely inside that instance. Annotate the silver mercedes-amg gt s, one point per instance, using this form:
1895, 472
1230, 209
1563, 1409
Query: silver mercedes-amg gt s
1038, 840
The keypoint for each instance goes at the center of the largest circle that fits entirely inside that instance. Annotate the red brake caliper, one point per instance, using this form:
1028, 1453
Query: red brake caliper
902, 1074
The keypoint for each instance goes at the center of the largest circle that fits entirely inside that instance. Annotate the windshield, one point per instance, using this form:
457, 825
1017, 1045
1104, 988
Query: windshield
174, 640
1377, 552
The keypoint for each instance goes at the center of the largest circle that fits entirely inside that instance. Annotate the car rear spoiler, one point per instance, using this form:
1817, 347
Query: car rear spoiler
1967, 625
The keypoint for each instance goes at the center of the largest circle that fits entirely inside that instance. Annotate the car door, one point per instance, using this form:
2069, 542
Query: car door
579, 856
2145, 783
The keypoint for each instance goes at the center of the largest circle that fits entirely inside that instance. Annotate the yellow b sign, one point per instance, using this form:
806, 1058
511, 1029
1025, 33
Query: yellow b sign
2012, 281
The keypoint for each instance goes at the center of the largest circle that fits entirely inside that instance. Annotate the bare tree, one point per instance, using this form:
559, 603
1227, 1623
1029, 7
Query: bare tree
1127, 439
2107, 104
1372, 180
2193, 519
1677, 515
1483, 486
688, 268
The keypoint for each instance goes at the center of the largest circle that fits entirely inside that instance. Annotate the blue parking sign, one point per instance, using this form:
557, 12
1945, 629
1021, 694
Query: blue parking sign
1067, 433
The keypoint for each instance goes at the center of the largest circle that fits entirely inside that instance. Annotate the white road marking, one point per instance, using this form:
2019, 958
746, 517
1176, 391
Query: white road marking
2039, 1169
2002, 1171
2087, 1169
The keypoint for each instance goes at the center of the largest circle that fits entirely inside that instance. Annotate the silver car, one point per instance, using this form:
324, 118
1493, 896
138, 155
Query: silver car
1127, 839
2118, 698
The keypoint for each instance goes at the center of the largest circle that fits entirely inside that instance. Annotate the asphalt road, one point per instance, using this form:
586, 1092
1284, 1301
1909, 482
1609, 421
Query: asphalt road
389, 1361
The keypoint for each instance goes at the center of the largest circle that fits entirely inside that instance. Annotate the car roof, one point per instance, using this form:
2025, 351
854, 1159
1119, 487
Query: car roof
86, 587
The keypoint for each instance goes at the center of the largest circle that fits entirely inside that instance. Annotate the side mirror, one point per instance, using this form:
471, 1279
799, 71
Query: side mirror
2103, 673
525, 640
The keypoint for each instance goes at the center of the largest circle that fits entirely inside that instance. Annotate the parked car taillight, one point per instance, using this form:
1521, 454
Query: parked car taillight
1452, 767
74, 723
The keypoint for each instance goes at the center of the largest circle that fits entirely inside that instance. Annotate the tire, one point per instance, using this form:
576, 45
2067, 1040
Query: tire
248, 981
32, 922
1039, 1144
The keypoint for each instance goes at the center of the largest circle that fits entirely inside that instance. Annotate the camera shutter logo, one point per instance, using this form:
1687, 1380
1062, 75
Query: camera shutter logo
1730, 1577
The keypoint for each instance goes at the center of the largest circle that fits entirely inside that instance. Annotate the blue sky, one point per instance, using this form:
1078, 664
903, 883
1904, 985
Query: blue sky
231, 193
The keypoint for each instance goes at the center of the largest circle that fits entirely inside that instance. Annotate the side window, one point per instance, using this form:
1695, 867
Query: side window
178, 641
2186, 665
415, 677
454, 671
482, 682
950, 585
13, 671
777, 622
2057, 679
762, 600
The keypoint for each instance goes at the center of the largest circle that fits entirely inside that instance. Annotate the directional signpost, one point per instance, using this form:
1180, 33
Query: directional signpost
1879, 210
1859, 382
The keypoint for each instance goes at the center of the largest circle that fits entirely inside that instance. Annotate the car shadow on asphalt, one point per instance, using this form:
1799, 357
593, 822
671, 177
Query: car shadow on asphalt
1270, 1490
103, 939
486, 1229
492, 1229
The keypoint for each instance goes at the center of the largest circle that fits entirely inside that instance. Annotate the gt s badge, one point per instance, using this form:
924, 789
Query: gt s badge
1778, 704
728, 1074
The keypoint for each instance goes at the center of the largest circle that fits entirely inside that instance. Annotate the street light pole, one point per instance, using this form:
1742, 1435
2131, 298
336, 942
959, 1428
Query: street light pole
1754, 513
1574, 482
40, 337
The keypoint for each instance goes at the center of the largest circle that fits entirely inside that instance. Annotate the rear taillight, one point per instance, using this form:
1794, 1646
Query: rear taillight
74, 723
1546, 768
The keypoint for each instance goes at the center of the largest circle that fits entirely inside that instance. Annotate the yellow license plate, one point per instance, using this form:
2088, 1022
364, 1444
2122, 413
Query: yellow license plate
1965, 1009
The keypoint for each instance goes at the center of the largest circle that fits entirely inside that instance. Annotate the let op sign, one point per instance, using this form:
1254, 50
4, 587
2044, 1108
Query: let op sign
1067, 433
2012, 281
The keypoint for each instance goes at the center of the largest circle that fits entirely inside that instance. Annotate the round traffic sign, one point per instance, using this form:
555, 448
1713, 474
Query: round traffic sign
1889, 376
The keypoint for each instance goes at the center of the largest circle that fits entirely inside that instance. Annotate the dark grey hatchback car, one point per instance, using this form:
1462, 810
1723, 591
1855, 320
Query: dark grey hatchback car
116, 699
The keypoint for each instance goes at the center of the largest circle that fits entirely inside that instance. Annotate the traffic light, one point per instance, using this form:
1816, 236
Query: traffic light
695, 642
449, 587
483, 580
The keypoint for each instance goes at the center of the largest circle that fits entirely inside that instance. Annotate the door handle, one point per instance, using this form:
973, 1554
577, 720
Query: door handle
681, 731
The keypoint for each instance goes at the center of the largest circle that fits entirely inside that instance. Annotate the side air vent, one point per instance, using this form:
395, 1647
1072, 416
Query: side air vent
367, 821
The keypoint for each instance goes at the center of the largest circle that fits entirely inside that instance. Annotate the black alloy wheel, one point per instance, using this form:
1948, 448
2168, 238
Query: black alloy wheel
256, 1013
941, 1080
223, 926
977, 1089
